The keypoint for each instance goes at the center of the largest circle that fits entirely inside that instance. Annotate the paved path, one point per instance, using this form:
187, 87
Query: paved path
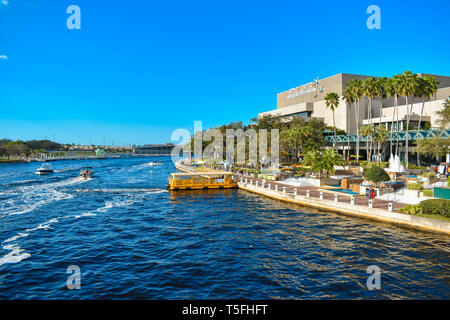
327, 194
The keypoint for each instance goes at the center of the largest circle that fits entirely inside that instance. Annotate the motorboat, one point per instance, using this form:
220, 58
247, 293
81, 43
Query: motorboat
46, 168
86, 172
154, 163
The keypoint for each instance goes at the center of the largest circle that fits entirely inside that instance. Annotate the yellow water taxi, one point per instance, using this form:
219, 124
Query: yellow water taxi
201, 180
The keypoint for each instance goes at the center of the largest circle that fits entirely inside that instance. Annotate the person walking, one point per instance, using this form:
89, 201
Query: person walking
372, 194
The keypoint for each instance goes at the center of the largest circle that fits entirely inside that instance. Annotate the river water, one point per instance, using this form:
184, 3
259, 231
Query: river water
132, 239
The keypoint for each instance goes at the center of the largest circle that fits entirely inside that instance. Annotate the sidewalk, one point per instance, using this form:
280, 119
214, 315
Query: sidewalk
327, 194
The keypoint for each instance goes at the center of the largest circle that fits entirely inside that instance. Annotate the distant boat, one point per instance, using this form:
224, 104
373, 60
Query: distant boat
46, 168
154, 163
86, 172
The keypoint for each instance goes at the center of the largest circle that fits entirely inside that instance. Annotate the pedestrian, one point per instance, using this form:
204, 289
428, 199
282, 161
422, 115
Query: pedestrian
372, 194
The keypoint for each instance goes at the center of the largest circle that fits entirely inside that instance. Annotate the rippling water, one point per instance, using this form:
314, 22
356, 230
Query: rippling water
151, 244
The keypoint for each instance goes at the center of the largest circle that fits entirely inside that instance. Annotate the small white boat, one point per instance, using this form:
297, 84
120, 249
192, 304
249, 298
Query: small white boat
46, 168
154, 163
86, 172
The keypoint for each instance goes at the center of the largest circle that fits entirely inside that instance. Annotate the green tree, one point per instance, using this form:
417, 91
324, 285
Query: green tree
436, 147
332, 102
427, 87
393, 90
444, 115
381, 137
349, 99
323, 161
355, 88
376, 174
296, 140
407, 85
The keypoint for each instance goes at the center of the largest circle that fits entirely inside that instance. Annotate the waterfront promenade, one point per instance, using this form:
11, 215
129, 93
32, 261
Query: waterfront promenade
327, 200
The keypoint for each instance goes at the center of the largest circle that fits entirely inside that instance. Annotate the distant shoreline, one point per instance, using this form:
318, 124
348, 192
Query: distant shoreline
12, 161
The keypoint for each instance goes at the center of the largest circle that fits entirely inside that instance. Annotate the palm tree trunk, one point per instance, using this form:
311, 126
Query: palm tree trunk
407, 133
398, 138
368, 148
379, 122
357, 132
418, 130
348, 130
334, 126
392, 132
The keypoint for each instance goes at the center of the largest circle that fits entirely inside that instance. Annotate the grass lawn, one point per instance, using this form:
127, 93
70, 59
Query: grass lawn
433, 216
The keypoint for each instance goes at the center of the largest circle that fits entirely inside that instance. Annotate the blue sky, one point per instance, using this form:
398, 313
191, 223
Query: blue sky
137, 70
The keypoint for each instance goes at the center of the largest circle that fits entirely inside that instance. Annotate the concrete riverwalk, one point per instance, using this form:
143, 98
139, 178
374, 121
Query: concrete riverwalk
349, 205
327, 200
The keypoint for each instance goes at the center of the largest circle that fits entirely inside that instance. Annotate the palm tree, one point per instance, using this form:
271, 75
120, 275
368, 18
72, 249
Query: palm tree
371, 90
356, 90
407, 85
313, 158
330, 159
349, 99
383, 83
323, 161
429, 87
332, 101
381, 136
444, 115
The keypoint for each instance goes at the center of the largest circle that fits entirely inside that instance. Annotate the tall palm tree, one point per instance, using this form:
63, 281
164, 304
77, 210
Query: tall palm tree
429, 87
381, 136
371, 90
383, 83
407, 85
332, 102
349, 99
356, 89
390, 91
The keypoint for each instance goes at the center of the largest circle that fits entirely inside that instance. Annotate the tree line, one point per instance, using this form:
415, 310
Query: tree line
26, 149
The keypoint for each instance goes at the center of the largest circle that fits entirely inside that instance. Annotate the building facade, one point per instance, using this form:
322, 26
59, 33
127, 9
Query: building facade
308, 101
154, 149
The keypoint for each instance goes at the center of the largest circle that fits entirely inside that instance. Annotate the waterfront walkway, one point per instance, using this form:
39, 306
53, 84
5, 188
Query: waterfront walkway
315, 193
329, 200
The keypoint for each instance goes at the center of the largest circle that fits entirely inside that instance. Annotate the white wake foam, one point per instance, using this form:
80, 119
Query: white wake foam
18, 254
26, 199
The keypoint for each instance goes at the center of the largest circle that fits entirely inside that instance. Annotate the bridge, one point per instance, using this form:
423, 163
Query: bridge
413, 135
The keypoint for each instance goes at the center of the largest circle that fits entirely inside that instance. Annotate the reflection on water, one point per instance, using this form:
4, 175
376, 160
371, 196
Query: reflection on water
133, 239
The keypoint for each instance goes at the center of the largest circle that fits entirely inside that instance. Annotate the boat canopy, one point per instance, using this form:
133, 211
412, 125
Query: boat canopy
188, 176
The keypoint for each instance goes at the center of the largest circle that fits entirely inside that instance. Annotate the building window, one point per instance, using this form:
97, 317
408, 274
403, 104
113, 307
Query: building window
303, 114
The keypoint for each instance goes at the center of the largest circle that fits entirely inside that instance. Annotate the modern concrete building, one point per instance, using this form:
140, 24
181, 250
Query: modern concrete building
308, 101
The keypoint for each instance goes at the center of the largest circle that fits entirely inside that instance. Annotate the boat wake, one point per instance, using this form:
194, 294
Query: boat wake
153, 191
17, 254
26, 199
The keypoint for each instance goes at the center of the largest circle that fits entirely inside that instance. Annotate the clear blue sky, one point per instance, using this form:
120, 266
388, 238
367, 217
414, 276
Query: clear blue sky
139, 69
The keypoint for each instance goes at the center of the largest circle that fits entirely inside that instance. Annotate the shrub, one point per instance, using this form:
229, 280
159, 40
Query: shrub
376, 174
436, 206
429, 174
415, 186
412, 209
448, 181
428, 193
413, 166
